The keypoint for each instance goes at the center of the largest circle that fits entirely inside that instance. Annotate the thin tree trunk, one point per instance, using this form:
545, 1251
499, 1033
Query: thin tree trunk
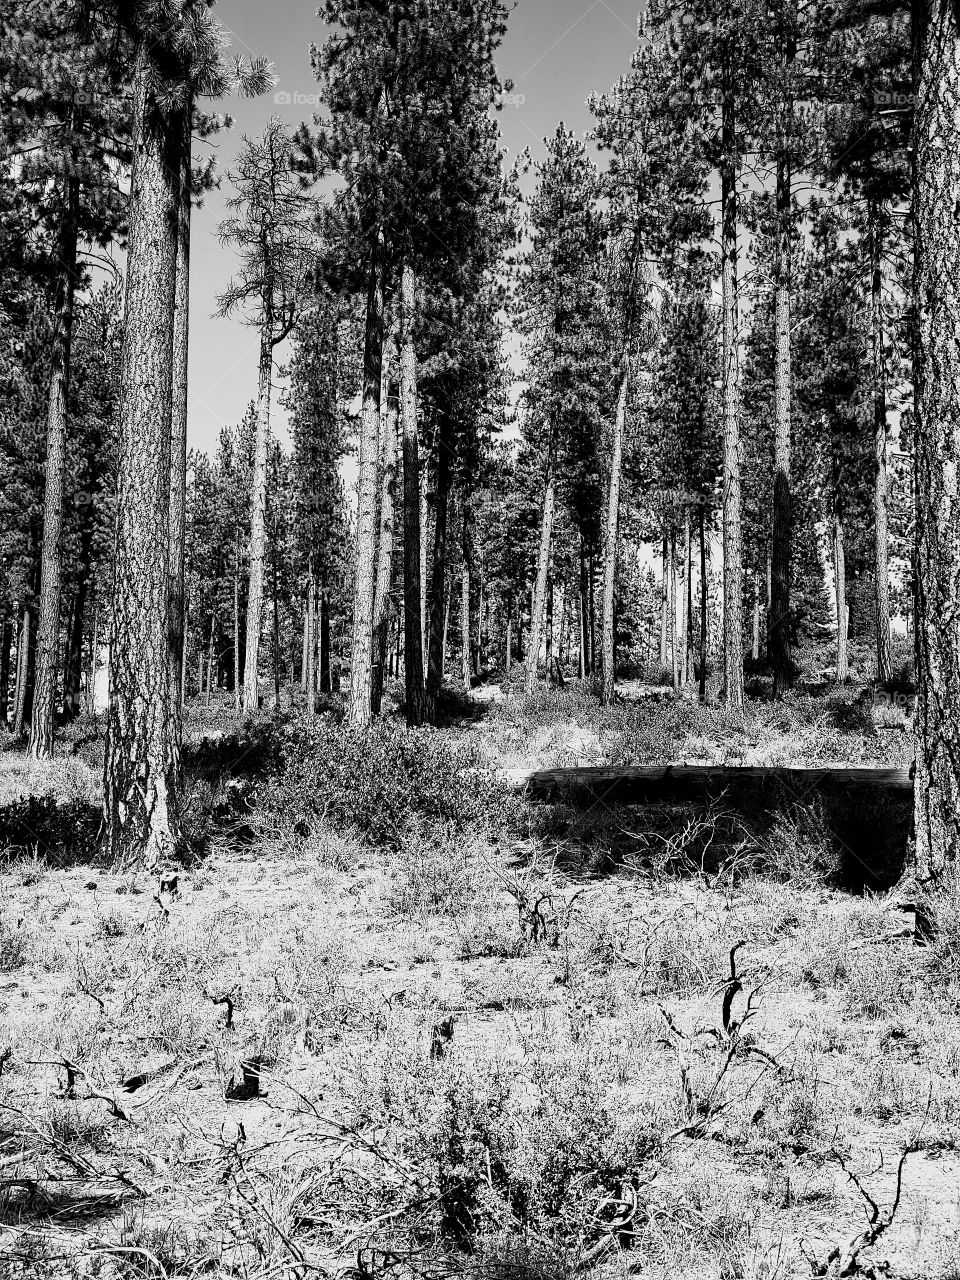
21, 699
276, 632
732, 534
672, 607
543, 570
258, 529
438, 584
381, 597
445, 629
178, 433
73, 671
687, 599
509, 639
304, 661
326, 671
755, 648
365, 585
704, 606
94, 658
6, 645
424, 531
466, 549
840, 574
780, 621
586, 659
665, 599
610, 541
142, 758
936, 198
418, 712
310, 674
213, 623
51, 576
881, 557
237, 690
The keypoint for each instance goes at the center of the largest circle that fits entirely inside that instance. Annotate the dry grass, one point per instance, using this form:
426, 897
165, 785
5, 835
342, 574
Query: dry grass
459, 1058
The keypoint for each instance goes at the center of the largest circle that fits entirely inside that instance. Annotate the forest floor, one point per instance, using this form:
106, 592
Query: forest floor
507, 1045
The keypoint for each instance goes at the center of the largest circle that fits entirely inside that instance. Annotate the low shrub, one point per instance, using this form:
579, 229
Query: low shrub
381, 781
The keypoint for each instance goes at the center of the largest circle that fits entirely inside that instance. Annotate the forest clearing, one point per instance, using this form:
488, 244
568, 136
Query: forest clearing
479, 640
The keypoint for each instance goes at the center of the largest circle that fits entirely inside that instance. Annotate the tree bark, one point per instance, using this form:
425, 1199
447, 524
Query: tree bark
326, 662
881, 557
384, 584
73, 670
840, 575
178, 430
732, 534
258, 529
6, 645
586, 660
611, 527
936, 202
51, 574
310, 671
672, 607
543, 570
415, 693
142, 758
779, 641
466, 552
704, 605
439, 599
365, 584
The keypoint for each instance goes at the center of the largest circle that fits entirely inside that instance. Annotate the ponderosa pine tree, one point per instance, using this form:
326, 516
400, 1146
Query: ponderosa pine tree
936, 195
67, 146
271, 229
174, 46
562, 317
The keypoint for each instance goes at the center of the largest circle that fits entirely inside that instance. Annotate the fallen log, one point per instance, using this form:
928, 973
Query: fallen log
867, 812
663, 784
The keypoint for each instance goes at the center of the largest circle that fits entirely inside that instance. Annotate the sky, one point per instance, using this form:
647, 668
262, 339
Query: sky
557, 52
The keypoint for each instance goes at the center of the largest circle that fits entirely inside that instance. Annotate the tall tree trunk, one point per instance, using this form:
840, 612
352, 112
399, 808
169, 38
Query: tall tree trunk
416, 699
936, 198
466, 551
732, 533
687, 599
672, 607
73, 671
384, 584
780, 622
326, 670
586, 660
438, 584
24, 672
881, 557
237, 688
704, 605
94, 658
840, 575
664, 599
213, 627
258, 526
178, 433
304, 657
424, 534
365, 585
142, 758
51, 575
276, 631
6, 645
610, 542
508, 646
543, 570
310, 674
